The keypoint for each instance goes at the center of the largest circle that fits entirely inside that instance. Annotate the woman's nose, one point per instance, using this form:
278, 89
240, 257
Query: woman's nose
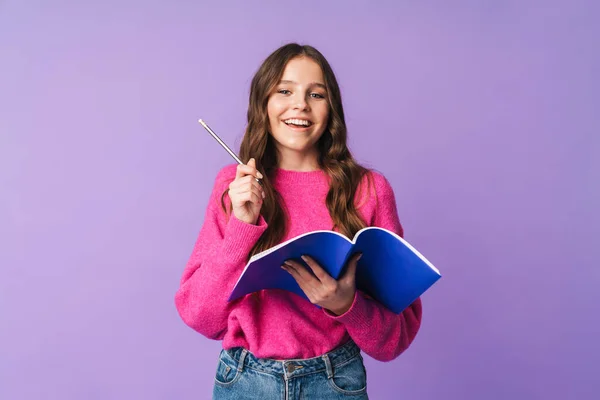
300, 102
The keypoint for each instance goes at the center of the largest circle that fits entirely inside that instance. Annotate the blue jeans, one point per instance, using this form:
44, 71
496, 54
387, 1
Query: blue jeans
339, 374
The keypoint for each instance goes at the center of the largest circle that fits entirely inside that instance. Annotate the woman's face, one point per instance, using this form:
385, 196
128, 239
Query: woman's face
298, 108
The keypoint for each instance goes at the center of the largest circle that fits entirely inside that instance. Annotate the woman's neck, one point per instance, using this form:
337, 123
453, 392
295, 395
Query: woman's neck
296, 161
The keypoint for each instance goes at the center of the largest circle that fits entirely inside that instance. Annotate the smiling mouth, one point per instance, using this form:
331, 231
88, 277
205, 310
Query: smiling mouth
298, 123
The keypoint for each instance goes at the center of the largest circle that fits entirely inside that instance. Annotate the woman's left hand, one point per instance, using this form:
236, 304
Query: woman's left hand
321, 288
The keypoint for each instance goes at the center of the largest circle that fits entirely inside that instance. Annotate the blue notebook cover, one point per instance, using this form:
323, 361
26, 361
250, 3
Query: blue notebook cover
390, 270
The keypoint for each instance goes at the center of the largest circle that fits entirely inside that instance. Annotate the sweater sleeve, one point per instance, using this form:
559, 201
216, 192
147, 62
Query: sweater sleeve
378, 331
217, 260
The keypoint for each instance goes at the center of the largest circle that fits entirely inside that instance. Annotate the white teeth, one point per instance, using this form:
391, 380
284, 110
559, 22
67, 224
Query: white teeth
297, 122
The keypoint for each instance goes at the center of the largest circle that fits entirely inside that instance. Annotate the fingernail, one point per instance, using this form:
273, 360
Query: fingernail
359, 256
263, 195
259, 175
304, 258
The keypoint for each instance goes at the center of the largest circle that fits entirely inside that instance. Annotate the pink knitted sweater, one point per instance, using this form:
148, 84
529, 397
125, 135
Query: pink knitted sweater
275, 323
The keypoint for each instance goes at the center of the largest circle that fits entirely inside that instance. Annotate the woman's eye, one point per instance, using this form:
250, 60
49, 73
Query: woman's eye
317, 95
283, 91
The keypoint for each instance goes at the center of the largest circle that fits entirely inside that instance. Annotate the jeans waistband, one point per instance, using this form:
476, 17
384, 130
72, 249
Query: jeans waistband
296, 367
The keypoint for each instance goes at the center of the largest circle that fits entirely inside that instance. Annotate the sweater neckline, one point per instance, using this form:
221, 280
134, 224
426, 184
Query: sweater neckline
299, 177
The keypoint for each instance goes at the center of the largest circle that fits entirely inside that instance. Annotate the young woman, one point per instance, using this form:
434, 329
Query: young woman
277, 345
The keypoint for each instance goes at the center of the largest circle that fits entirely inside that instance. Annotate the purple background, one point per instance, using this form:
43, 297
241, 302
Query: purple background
483, 116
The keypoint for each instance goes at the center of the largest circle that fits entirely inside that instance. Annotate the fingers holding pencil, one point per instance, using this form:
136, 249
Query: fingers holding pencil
246, 193
248, 169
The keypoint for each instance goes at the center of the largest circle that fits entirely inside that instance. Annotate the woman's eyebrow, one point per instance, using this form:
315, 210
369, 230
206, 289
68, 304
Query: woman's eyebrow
321, 85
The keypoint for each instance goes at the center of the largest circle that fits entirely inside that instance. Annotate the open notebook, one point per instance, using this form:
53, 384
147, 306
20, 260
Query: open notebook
390, 270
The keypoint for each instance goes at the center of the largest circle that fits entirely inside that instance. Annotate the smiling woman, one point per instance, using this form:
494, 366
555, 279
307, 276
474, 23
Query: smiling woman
275, 343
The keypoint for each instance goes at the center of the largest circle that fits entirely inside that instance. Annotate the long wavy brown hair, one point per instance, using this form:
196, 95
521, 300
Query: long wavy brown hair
335, 159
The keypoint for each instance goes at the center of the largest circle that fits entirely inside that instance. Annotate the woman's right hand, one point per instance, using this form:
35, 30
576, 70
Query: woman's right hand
246, 193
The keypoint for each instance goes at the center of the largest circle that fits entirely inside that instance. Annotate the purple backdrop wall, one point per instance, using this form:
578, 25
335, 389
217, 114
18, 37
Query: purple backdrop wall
483, 115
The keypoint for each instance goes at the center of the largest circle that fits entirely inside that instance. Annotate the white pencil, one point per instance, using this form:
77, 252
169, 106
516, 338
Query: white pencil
222, 143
